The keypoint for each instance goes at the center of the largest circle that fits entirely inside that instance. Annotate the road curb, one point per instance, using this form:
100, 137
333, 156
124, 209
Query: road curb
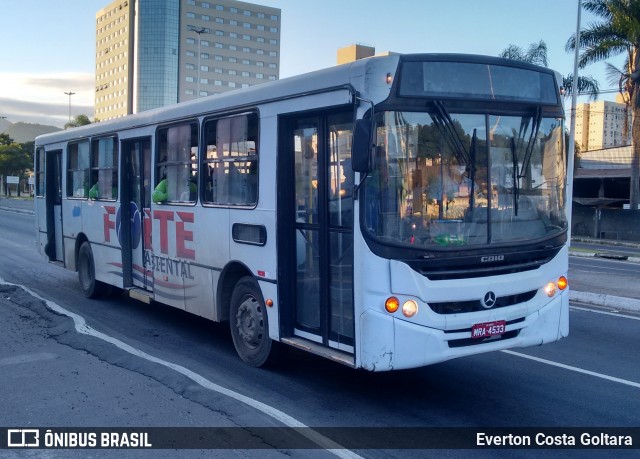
610, 301
604, 255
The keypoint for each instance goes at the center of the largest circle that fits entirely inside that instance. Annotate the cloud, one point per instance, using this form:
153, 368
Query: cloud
40, 112
41, 98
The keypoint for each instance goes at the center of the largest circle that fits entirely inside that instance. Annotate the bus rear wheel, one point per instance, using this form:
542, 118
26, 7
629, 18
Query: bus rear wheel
91, 287
250, 327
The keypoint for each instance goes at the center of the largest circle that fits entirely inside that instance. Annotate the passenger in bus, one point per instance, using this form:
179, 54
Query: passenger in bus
93, 192
160, 193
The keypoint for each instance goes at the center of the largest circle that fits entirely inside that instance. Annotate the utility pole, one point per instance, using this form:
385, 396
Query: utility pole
199, 31
572, 127
69, 94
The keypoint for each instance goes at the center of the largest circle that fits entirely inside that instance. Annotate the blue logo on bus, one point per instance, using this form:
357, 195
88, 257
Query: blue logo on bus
136, 225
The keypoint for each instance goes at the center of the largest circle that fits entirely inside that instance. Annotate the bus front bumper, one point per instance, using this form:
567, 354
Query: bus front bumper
389, 343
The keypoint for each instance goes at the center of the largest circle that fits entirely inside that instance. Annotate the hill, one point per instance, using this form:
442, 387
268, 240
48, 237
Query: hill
4, 124
26, 132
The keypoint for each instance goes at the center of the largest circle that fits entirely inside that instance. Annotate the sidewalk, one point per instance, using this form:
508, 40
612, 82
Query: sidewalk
597, 289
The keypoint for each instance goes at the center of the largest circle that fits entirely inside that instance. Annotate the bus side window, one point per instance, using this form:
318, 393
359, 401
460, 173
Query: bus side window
78, 169
104, 169
231, 160
176, 173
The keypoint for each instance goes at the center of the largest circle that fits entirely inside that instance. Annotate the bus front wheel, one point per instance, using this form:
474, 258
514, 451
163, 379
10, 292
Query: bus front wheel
87, 273
249, 325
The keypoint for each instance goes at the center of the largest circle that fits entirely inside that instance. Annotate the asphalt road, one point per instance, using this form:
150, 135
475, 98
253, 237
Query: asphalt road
52, 376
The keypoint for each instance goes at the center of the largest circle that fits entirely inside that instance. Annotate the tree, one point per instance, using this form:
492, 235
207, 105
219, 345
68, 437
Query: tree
586, 85
621, 79
537, 54
617, 32
15, 159
5, 139
79, 120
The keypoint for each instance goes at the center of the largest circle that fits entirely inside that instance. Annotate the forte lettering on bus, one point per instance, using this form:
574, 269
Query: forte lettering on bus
182, 233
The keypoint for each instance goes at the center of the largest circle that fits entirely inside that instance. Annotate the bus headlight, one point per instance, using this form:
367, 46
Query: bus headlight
550, 289
410, 308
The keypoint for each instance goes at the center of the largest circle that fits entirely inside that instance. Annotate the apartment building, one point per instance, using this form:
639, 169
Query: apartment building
600, 125
354, 52
152, 53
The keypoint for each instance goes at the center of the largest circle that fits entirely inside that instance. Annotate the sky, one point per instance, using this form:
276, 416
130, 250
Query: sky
48, 48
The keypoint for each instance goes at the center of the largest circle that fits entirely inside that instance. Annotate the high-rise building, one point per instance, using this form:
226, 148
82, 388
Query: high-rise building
601, 125
151, 53
114, 60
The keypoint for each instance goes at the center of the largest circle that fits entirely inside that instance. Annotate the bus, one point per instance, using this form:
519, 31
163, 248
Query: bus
388, 213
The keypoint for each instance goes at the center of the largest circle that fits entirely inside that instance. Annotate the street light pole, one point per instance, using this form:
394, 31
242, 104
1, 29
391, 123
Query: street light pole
199, 31
572, 126
69, 94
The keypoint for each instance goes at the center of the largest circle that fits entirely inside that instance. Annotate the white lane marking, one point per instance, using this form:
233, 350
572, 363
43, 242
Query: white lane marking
82, 327
615, 314
576, 369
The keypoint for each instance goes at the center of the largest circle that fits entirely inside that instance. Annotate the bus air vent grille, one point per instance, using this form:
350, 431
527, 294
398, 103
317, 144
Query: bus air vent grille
458, 307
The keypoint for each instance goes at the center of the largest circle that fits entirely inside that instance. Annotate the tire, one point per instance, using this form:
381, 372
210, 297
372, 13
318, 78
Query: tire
87, 273
250, 327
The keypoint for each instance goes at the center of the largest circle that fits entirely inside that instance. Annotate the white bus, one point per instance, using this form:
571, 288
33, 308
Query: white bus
389, 213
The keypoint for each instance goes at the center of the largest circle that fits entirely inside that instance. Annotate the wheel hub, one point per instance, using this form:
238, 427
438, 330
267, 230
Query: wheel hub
249, 322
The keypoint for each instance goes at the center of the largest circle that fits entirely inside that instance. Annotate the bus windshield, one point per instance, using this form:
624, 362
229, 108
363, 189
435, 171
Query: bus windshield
444, 179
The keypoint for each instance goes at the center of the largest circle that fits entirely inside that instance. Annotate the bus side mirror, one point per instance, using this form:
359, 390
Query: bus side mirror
361, 154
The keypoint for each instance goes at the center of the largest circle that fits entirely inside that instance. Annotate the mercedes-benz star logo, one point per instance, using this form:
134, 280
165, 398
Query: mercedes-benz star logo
489, 300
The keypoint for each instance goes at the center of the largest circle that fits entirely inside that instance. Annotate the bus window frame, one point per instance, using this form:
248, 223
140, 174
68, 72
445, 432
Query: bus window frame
204, 162
69, 180
40, 177
156, 164
115, 168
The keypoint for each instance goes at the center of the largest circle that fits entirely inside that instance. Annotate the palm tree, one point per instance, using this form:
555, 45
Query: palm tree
586, 85
535, 54
621, 79
617, 32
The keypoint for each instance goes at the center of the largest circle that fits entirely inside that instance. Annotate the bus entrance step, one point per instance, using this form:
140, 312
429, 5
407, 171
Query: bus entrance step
141, 295
318, 349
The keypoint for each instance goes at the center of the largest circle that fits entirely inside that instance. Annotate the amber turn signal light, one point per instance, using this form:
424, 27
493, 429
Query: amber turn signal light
563, 283
392, 304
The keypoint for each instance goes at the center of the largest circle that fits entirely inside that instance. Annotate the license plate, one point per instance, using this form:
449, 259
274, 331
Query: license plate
488, 329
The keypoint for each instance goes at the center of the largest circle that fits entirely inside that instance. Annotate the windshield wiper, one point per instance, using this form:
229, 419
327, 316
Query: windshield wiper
445, 124
472, 170
535, 127
516, 176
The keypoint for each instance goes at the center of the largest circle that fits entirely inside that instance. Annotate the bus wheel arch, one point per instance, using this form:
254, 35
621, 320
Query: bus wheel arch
229, 277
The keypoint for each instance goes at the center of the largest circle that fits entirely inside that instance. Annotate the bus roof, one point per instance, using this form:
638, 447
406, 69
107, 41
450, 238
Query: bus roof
341, 75
332, 77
